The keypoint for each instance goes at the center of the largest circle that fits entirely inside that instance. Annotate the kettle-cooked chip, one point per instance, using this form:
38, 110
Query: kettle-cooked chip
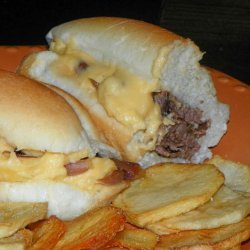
16, 215
236, 247
21, 240
47, 233
92, 230
135, 239
168, 190
226, 207
219, 238
237, 175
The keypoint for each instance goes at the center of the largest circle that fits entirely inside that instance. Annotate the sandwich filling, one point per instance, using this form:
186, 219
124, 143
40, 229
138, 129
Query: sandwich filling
75, 169
127, 98
181, 128
152, 121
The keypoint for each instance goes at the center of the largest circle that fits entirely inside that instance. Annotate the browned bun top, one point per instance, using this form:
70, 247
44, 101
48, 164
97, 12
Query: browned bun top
125, 42
34, 117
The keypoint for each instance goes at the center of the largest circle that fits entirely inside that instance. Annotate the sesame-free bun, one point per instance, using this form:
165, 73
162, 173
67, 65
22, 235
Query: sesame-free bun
128, 43
33, 117
159, 57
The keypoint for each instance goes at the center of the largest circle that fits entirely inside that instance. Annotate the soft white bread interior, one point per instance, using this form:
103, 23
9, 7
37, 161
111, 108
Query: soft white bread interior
44, 179
146, 59
41, 133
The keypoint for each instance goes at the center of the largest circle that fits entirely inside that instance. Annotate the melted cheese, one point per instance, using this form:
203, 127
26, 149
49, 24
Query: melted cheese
124, 96
128, 99
99, 167
50, 166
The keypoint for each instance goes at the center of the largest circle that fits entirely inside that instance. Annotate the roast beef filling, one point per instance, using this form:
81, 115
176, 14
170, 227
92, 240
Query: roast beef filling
125, 171
178, 137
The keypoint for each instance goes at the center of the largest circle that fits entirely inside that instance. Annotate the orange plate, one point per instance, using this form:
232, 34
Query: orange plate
234, 145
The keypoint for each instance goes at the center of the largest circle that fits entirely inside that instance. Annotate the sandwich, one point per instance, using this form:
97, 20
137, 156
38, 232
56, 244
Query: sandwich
46, 154
143, 87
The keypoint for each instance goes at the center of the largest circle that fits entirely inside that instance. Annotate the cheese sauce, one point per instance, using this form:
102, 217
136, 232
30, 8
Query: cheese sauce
50, 166
124, 96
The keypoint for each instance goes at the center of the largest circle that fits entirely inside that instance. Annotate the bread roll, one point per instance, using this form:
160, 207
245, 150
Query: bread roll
36, 118
114, 66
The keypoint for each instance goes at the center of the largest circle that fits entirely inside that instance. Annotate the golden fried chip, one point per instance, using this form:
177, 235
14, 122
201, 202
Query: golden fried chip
135, 239
168, 190
47, 233
245, 194
130, 226
226, 207
16, 215
237, 175
115, 248
236, 247
22, 239
93, 230
217, 239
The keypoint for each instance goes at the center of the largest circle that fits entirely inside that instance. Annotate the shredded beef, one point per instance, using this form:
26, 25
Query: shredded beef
179, 139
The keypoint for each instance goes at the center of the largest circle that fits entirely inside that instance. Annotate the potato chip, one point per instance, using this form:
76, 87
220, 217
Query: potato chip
245, 194
237, 175
47, 233
93, 230
217, 239
22, 239
16, 215
226, 207
115, 248
129, 226
135, 239
168, 190
237, 247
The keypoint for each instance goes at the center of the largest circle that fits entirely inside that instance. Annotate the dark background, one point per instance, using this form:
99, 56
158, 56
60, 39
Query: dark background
221, 28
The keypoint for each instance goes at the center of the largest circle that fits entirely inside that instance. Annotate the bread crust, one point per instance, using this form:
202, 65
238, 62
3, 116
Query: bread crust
136, 45
159, 57
35, 117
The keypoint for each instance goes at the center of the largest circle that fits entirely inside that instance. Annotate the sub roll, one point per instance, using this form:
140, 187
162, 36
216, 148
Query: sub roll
143, 87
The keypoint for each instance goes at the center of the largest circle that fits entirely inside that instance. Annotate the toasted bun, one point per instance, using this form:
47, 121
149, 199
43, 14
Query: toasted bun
159, 57
33, 117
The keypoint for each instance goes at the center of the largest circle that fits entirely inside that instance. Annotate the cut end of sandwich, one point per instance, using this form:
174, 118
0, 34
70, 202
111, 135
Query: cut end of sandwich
114, 67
